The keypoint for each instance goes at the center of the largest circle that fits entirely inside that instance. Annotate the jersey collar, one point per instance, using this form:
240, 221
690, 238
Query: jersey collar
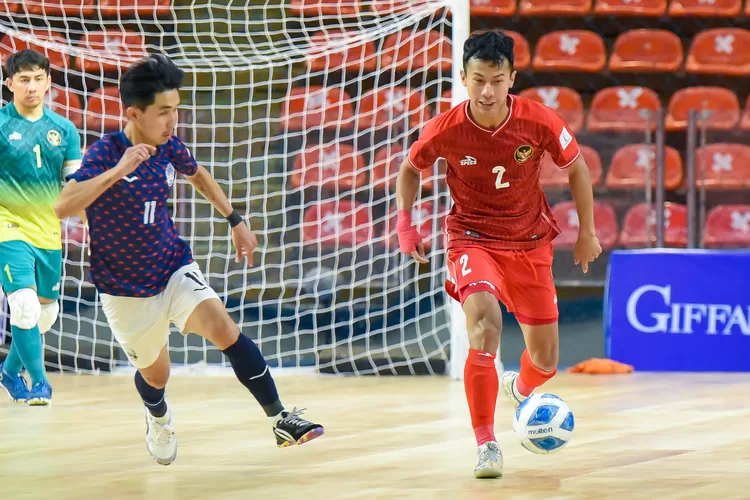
502, 125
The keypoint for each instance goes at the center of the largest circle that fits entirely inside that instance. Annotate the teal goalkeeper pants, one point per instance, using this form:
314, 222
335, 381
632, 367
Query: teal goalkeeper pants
25, 266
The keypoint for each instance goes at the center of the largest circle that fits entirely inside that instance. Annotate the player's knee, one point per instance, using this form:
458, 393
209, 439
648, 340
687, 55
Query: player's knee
48, 316
224, 332
156, 379
545, 356
25, 309
485, 331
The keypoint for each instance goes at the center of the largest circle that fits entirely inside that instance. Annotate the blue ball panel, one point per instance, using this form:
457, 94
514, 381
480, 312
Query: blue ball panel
549, 443
543, 415
569, 423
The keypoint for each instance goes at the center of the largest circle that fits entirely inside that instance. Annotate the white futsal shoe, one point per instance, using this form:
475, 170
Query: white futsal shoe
490, 461
510, 389
161, 439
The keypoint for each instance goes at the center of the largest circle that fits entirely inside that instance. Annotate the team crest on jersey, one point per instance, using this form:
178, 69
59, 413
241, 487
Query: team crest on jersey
523, 153
170, 174
53, 136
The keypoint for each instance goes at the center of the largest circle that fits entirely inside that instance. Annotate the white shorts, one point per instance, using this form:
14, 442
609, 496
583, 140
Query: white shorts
141, 324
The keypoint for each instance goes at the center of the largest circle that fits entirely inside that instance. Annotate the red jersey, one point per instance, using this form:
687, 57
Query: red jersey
493, 175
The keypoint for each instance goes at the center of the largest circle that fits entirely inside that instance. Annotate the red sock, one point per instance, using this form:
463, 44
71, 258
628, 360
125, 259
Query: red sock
481, 385
531, 376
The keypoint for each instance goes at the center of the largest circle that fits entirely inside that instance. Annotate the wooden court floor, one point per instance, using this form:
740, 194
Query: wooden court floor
640, 436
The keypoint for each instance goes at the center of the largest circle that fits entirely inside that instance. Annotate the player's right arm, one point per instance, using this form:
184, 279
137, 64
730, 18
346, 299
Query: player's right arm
92, 179
422, 156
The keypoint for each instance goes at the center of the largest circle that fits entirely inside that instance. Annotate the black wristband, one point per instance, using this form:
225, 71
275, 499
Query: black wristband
234, 219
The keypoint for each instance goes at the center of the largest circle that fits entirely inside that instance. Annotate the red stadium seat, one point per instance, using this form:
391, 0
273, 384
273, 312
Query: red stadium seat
574, 50
722, 103
726, 166
638, 228
605, 221
337, 223
495, 8
425, 49
423, 216
352, 57
104, 112
386, 7
552, 176
331, 167
629, 165
646, 51
386, 166
622, 109
127, 8
81, 8
521, 50
638, 8
728, 226
554, 7
314, 8
65, 103
444, 102
746, 115
57, 60
566, 101
720, 51
704, 8
317, 107
392, 107
110, 51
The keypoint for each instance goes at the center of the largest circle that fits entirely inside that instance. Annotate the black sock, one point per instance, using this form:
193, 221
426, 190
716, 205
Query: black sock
152, 397
252, 371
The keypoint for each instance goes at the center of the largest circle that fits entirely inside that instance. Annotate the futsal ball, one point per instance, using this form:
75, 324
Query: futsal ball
543, 423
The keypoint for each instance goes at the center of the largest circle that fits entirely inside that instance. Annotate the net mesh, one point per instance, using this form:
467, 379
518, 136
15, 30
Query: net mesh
302, 112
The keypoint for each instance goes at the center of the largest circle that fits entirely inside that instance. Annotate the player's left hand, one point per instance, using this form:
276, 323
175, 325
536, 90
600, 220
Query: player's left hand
586, 250
245, 242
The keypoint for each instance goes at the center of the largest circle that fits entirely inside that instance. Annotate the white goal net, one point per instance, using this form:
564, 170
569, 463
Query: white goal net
302, 112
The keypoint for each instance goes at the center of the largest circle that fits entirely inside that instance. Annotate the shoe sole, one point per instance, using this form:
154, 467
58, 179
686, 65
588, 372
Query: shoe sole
307, 437
162, 461
39, 402
488, 473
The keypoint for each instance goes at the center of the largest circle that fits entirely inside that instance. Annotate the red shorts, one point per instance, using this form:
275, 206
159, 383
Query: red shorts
521, 279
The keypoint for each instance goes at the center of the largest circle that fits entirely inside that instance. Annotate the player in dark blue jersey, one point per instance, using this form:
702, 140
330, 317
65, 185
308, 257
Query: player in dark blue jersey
144, 272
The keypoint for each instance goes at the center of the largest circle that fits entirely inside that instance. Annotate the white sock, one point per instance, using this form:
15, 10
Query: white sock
275, 419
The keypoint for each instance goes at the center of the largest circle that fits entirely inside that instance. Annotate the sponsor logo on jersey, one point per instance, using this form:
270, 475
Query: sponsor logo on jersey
469, 160
523, 153
53, 137
130, 179
56, 288
170, 174
565, 139
15, 136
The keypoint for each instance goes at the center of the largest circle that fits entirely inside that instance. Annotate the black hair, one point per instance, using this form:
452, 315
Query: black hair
25, 60
148, 77
491, 46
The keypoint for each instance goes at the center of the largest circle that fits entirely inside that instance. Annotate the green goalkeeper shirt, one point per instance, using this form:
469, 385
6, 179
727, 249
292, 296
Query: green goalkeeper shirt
32, 155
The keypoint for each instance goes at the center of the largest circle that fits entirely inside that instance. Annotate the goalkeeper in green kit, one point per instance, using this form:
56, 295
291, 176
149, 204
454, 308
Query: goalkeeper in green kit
38, 148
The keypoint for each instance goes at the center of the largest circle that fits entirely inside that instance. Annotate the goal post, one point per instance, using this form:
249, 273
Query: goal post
303, 112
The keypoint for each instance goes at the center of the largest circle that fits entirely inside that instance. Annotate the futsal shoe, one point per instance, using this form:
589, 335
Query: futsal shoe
510, 389
40, 394
14, 385
490, 461
161, 439
291, 430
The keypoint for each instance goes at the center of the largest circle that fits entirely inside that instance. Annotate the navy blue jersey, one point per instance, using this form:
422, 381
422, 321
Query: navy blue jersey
135, 247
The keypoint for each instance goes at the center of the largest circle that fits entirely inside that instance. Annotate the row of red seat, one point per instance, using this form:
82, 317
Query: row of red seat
348, 223
88, 8
612, 109
713, 51
97, 52
339, 167
506, 8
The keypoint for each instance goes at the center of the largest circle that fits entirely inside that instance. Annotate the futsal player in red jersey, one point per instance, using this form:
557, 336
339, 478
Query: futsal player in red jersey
500, 229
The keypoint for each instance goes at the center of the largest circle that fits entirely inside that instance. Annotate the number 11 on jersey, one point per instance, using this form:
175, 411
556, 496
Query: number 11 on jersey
149, 212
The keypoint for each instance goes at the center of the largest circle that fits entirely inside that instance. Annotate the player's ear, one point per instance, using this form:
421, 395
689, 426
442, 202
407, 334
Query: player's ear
9, 83
463, 77
131, 113
513, 74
